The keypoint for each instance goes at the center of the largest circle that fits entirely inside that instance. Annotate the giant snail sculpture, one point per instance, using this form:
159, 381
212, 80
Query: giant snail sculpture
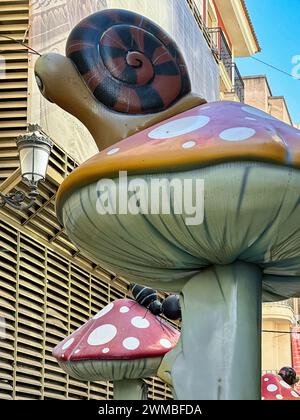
122, 73
126, 80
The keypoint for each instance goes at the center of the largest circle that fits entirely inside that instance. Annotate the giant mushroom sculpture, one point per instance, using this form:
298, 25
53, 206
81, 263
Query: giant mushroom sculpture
123, 343
247, 247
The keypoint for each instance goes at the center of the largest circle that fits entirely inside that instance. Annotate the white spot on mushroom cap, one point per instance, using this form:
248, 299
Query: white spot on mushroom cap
131, 343
104, 311
257, 112
68, 344
189, 144
237, 134
113, 151
106, 350
279, 397
140, 322
250, 119
294, 394
76, 351
272, 388
124, 309
284, 384
165, 343
266, 379
102, 335
179, 127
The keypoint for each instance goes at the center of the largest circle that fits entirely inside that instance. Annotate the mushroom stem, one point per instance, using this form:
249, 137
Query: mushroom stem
219, 353
130, 389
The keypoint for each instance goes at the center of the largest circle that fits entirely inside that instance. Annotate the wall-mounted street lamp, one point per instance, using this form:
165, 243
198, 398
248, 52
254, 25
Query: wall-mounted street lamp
34, 150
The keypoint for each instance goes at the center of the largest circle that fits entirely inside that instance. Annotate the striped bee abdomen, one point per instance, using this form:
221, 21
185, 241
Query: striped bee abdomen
128, 62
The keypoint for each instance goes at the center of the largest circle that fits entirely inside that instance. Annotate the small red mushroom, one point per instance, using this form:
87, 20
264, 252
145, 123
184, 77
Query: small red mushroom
123, 343
275, 388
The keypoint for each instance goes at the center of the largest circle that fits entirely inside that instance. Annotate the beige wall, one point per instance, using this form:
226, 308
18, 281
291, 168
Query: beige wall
276, 345
278, 320
278, 108
257, 92
259, 95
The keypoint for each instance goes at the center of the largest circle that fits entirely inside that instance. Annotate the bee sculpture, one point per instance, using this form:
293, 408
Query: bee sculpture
147, 297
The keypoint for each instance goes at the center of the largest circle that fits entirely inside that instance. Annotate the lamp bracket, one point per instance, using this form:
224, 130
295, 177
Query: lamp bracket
17, 199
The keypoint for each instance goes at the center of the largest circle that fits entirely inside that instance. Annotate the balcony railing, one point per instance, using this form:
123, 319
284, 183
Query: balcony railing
286, 303
218, 44
224, 54
238, 83
222, 49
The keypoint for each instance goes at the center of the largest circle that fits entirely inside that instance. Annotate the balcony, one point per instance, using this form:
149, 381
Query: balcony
222, 50
220, 47
216, 40
280, 311
285, 303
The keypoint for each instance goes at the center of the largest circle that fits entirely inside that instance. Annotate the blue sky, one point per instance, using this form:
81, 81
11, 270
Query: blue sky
277, 25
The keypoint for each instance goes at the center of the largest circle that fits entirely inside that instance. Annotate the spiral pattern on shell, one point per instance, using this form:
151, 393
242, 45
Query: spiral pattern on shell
128, 62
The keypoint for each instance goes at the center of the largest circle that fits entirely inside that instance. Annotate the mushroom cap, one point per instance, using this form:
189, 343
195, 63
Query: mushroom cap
274, 388
202, 136
121, 330
249, 162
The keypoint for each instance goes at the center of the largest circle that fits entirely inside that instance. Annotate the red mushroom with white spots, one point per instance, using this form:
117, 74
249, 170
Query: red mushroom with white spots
123, 343
275, 388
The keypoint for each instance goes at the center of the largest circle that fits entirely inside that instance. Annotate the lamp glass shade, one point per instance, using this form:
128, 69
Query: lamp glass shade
34, 162
34, 152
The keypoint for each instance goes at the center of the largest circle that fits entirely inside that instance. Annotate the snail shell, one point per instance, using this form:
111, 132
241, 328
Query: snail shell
129, 63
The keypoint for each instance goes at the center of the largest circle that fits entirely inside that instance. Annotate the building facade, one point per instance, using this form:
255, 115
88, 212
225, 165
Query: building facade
230, 34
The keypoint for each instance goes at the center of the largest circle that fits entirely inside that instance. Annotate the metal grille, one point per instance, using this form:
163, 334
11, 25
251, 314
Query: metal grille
222, 49
44, 297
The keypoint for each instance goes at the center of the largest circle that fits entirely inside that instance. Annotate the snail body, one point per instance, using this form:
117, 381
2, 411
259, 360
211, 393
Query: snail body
122, 74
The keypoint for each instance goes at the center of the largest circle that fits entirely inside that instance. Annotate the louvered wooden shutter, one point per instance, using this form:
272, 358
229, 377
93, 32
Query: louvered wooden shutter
43, 298
14, 17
